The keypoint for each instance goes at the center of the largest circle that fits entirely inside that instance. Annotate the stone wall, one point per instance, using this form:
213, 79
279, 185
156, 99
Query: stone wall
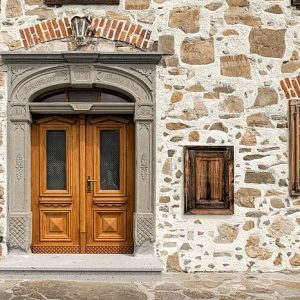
219, 84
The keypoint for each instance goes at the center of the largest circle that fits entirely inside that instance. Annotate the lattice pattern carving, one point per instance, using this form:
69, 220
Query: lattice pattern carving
19, 232
144, 229
109, 249
56, 249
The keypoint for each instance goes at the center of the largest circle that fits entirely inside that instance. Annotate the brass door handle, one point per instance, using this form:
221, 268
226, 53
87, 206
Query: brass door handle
88, 183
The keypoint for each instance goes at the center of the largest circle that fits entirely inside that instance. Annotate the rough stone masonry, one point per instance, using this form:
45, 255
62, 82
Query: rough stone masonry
218, 84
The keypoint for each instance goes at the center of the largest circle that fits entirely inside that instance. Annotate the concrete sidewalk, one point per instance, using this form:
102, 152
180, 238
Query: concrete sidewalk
174, 286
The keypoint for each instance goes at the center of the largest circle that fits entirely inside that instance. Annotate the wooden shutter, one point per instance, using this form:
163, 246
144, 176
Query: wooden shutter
296, 3
209, 180
294, 147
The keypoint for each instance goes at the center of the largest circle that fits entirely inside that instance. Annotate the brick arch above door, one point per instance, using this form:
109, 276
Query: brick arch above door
110, 29
33, 74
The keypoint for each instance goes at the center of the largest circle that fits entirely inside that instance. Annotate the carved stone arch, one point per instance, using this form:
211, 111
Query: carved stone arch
30, 79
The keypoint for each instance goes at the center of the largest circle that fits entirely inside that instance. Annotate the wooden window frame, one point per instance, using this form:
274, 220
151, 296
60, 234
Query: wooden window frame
295, 3
294, 151
61, 2
189, 181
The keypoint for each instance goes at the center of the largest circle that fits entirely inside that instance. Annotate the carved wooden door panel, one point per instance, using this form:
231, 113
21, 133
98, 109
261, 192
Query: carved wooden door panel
82, 184
110, 185
55, 185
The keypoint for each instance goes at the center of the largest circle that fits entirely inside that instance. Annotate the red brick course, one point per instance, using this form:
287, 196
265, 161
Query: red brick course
114, 30
291, 87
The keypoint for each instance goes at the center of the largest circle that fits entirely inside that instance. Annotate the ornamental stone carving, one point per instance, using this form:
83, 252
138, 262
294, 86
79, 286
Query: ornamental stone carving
144, 228
35, 78
20, 232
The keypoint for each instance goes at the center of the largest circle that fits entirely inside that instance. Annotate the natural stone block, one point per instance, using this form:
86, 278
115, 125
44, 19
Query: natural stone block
238, 2
295, 260
246, 196
1, 192
267, 42
117, 16
253, 249
194, 136
259, 120
213, 6
219, 126
176, 97
233, 104
278, 259
173, 263
229, 32
12, 43
34, 2
185, 246
254, 156
249, 137
197, 51
226, 89
167, 167
274, 9
281, 227
277, 203
290, 66
185, 18
259, 177
248, 225
137, 4
166, 44
164, 199
235, 66
227, 234
200, 109
176, 126
42, 13
265, 97
197, 87
13, 9
171, 61
241, 15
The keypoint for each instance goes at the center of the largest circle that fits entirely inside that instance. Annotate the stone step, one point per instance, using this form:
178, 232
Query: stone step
81, 267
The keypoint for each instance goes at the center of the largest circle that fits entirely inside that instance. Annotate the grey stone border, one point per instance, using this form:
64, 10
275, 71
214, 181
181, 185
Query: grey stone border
27, 81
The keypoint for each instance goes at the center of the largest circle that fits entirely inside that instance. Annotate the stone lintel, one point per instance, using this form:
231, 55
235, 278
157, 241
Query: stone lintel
81, 58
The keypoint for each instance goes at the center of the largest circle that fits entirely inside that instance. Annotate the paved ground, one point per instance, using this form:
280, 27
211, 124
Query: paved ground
222, 286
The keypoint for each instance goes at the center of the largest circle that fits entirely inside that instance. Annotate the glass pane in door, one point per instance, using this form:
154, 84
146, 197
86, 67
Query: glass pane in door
56, 159
109, 159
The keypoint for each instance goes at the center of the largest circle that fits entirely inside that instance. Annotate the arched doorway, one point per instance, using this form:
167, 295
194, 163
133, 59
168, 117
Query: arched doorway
82, 180
133, 77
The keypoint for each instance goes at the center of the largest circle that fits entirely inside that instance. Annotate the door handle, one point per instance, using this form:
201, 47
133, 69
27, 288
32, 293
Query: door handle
88, 184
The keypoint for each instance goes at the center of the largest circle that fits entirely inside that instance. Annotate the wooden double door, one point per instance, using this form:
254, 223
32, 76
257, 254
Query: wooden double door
82, 184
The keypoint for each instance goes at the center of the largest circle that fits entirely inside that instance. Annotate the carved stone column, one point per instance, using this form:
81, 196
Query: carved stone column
19, 162
144, 221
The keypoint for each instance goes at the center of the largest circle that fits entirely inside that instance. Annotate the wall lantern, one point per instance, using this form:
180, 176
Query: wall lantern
80, 26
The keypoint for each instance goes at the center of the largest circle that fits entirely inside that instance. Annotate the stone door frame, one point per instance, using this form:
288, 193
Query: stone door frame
30, 75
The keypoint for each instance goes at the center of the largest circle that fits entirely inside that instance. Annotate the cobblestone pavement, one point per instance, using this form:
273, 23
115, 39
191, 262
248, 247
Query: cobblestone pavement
223, 286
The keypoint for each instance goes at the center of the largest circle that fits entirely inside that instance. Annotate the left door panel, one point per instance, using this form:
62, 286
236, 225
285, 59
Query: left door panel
55, 185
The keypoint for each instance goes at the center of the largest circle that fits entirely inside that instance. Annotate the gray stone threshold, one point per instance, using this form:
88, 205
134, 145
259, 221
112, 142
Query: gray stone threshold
81, 267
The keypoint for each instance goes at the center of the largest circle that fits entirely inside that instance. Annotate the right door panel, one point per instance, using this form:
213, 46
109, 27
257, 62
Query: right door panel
110, 185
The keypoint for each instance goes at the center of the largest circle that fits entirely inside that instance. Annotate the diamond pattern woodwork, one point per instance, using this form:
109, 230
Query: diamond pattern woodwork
55, 225
110, 225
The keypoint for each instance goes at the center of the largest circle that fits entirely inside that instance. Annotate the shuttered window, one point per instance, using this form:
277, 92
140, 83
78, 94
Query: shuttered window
294, 147
209, 180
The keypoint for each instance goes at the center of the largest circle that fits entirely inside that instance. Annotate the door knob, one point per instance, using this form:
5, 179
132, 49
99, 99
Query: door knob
88, 184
